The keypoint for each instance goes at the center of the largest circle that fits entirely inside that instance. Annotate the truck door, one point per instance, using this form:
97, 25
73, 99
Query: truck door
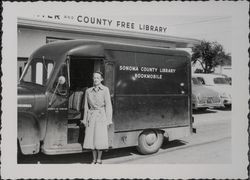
109, 82
56, 134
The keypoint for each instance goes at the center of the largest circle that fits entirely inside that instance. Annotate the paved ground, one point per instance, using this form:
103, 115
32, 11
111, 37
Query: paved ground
211, 144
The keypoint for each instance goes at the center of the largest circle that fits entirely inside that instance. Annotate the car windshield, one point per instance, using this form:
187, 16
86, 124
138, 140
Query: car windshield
37, 71
196, 81
220, 80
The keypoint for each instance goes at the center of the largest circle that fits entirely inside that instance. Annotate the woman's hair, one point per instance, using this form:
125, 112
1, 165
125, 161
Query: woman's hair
99, 72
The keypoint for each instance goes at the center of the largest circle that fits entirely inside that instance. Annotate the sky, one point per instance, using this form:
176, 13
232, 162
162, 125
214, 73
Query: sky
213, 28
210, 28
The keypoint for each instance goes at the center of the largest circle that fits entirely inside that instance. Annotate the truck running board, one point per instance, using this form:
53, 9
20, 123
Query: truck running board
66, 149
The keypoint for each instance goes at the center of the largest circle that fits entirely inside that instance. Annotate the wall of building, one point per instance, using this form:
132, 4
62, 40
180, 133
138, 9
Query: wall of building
29, 39
33, 33
226, 70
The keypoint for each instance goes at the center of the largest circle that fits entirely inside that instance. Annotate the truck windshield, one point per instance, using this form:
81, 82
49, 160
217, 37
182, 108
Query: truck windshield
37, 71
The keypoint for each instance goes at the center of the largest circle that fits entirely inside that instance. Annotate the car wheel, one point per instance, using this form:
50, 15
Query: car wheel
150, 141
228, 106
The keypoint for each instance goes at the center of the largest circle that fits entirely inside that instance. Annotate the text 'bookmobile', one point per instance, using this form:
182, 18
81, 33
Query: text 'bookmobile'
150, 92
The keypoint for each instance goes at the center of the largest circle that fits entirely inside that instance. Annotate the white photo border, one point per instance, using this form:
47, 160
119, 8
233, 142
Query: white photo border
238, 168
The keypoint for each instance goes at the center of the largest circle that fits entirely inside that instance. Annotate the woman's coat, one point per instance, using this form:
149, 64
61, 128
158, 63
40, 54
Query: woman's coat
97, 117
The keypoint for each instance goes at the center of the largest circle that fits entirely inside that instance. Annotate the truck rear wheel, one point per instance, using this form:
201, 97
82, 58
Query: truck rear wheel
150, 141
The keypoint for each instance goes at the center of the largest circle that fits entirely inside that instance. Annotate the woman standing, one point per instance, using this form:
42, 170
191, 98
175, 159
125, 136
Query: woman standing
97, 117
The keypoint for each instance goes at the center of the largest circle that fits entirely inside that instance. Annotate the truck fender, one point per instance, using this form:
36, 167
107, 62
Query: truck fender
28, 133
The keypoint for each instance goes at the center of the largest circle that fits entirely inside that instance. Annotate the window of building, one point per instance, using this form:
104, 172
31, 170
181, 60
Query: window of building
21, 62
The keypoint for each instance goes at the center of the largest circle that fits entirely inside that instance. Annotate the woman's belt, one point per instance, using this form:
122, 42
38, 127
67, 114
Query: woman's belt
96, 108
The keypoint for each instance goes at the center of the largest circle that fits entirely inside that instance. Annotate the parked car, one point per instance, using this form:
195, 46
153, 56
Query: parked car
228, 78
218, 83
203, 97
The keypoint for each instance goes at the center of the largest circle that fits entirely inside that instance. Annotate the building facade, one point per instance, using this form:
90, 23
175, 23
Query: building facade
34, 33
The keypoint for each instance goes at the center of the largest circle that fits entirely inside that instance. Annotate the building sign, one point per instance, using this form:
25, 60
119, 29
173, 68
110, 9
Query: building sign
104, 22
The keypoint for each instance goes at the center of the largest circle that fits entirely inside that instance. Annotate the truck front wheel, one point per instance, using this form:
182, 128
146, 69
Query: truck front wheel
150, 141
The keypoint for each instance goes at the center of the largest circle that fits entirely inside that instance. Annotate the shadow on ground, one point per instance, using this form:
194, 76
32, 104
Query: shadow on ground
228, 108
86, 157
214, 110
55, 159
203, 111
82, 158
172, 144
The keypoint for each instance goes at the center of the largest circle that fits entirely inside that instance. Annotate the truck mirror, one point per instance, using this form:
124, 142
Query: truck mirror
61, 80
58, 90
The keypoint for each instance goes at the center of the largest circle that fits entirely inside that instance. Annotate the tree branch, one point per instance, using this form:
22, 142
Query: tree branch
201, 64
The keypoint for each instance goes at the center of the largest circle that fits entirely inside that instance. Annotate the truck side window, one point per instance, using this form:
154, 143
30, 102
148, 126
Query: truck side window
43, 72
38, 71
50, 67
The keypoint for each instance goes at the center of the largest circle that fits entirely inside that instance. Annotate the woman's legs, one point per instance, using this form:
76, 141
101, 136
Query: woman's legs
99, 157
94, 152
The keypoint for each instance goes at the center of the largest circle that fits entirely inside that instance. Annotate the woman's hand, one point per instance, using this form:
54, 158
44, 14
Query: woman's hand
83, 122
110, 123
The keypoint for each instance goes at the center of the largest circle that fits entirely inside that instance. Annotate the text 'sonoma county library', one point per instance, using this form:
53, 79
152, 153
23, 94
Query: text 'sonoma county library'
35, 33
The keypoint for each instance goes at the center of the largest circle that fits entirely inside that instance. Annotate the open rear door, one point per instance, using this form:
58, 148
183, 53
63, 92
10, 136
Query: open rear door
109, 82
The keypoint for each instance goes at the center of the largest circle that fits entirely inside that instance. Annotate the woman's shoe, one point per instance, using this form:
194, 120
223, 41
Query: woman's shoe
93, 162
99, 162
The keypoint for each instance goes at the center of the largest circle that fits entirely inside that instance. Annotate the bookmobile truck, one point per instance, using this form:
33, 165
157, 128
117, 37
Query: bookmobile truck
150, 90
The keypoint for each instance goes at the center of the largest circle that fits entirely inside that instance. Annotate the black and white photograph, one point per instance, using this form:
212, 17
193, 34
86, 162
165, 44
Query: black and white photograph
125, 90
